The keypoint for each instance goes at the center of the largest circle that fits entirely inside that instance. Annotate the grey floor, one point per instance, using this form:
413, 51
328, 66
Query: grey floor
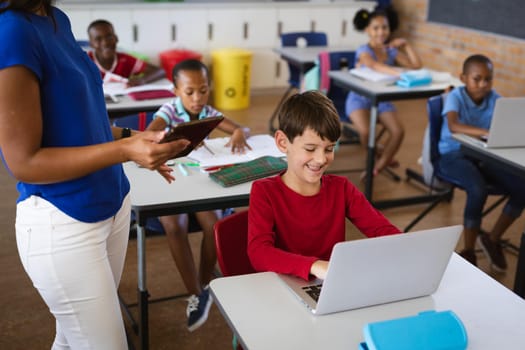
25, 322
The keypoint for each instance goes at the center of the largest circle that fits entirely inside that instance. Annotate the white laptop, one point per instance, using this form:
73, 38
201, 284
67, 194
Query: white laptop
507, 128
380, 270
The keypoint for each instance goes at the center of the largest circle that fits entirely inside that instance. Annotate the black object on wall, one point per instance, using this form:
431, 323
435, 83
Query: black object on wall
505, 17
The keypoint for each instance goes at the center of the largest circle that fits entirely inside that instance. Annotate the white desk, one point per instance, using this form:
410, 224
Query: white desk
126, 106
513, 161
303, 58
381, 92
152, 196
264, 314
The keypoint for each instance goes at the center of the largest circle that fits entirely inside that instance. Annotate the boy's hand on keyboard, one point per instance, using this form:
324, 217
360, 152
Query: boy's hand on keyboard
319, 269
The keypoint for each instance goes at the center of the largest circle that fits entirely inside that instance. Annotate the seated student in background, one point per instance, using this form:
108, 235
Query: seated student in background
191, 81
384, 55
296, 217
103, 40
468, 110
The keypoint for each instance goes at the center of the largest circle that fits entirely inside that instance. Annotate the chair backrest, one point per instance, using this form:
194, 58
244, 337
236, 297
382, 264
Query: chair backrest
295, 39
231, 241
335, 60
435, 123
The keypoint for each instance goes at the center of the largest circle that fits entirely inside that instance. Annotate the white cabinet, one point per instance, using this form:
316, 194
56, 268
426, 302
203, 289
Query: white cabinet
149, 29
80, 20
350, 37
188, 28
293, 20
260, 28
152, 34
265, 69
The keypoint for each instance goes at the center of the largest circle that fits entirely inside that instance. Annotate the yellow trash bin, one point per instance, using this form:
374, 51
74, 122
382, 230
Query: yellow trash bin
231, 70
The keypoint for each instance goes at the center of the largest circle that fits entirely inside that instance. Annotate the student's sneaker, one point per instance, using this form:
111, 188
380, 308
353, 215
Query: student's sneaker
198, 309
469, 255
494, 252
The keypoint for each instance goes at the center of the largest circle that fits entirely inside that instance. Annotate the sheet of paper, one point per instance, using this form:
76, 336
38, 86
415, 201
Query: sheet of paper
262, 145
372, 75
116, 88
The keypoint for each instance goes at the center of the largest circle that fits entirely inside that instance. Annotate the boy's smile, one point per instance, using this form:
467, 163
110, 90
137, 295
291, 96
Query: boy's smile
308, 158
104, 42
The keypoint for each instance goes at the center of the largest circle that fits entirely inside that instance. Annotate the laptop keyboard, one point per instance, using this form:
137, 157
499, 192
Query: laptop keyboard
313, 291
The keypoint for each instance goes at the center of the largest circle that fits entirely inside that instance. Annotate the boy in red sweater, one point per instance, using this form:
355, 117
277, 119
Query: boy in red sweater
103, 40
296, 217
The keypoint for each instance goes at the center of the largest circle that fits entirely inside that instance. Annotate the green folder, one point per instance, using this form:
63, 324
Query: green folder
249, 171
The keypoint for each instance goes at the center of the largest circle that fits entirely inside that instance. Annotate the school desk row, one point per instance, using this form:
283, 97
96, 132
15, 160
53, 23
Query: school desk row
197, 192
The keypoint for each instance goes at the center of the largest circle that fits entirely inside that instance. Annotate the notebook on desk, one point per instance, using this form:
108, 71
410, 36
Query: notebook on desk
380, 270
508, 123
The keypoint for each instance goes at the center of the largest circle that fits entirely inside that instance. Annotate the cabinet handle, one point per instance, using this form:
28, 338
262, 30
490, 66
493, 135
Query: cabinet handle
173, 32
210, 31
279, 29
277, 69
135, 30
312, 26
344, 25
245, 30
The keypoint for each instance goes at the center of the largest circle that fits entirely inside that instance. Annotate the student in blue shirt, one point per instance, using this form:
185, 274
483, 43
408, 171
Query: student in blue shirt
468, 110
191, 80
385, 55
72, 215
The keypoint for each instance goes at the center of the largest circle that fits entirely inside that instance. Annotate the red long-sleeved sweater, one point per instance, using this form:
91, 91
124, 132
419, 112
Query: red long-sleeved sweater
288, 232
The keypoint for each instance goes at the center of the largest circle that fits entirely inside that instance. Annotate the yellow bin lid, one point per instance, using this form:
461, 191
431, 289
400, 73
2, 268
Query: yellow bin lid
231, 52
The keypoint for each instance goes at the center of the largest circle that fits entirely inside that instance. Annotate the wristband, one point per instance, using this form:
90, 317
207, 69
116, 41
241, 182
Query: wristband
126, 132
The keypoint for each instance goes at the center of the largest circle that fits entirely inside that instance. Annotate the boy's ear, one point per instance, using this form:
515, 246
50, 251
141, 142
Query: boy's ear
281, 141
463, 77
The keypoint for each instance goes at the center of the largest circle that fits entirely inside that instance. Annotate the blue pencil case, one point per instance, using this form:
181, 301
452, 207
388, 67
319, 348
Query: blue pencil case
413, 78
429, 330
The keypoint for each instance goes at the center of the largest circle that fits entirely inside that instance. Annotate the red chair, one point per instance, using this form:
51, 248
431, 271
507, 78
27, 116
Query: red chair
231, 240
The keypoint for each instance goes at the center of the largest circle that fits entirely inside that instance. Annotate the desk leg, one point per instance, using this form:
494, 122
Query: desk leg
370, 160
142, 294
519, 280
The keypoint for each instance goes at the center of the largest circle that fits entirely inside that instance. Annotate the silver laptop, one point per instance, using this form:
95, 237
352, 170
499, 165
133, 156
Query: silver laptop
380, 270
507, 128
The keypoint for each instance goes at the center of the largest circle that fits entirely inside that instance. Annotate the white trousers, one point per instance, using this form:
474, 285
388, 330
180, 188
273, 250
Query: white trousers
76, 268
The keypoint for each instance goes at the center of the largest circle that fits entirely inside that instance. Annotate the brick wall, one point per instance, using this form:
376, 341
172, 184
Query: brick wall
443, 47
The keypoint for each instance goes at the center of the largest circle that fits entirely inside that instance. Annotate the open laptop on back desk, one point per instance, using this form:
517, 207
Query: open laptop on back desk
507, 127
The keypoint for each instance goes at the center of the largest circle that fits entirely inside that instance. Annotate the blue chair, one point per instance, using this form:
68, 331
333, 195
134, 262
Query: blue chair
294, 39
435, 123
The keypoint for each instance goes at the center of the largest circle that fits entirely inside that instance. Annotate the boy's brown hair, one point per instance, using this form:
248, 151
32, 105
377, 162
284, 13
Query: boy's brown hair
310, 109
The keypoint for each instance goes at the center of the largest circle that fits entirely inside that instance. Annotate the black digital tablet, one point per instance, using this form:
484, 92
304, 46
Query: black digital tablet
195, 131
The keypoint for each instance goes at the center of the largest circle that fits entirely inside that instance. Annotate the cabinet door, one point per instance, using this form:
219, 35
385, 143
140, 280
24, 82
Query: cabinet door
80, 20
327, 20
264, 70
350, 37
189, 29
259, 28
225, 28
152, 32
293, 20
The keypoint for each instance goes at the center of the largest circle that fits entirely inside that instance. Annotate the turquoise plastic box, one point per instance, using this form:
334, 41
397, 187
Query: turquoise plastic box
414, 78
429, 330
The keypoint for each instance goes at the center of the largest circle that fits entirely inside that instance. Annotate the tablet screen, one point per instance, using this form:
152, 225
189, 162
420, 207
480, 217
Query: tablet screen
195, 131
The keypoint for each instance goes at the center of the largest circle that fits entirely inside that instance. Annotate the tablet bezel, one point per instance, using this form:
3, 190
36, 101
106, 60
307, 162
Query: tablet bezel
194, 131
